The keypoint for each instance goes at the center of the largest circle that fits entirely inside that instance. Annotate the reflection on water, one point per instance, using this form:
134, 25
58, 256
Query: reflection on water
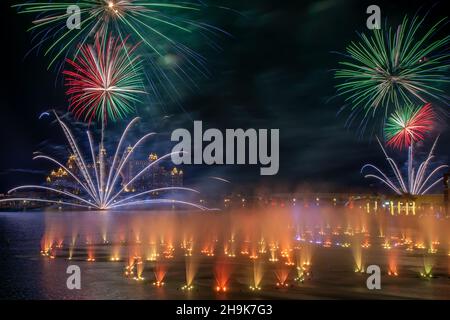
269, 253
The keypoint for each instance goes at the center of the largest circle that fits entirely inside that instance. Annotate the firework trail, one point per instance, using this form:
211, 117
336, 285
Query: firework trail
97, 190
105, 84
417, 182
220, 179
158, 25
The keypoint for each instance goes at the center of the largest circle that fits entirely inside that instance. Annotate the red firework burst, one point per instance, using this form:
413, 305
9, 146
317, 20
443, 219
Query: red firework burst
105, 81
408, 125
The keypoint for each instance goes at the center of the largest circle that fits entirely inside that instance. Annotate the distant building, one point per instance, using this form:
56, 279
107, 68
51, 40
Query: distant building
394, 204
154, 178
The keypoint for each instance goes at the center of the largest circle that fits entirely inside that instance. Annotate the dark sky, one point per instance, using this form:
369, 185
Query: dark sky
275, 72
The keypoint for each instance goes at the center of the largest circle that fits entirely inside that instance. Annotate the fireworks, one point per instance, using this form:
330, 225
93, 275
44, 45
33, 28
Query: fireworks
409, 124
145, 20
106, 81
100, 188
389, 69
417, 182
158, 25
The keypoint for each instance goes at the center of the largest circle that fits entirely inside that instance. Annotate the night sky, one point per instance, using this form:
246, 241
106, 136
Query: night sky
276, 71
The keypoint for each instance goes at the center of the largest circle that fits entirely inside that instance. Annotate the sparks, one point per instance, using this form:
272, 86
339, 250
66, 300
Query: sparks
105, 82
417, 182
387, 70
102, 191
408, 125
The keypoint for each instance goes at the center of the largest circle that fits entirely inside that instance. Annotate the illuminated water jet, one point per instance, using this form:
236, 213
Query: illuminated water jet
392, 263
160, 273
282, 273
428, 263
191, 270
257, 275
222, 274
357, 255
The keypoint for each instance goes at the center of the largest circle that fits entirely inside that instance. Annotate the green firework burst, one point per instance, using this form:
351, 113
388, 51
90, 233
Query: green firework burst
167, 30
105, 81
142, 19
388, 69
